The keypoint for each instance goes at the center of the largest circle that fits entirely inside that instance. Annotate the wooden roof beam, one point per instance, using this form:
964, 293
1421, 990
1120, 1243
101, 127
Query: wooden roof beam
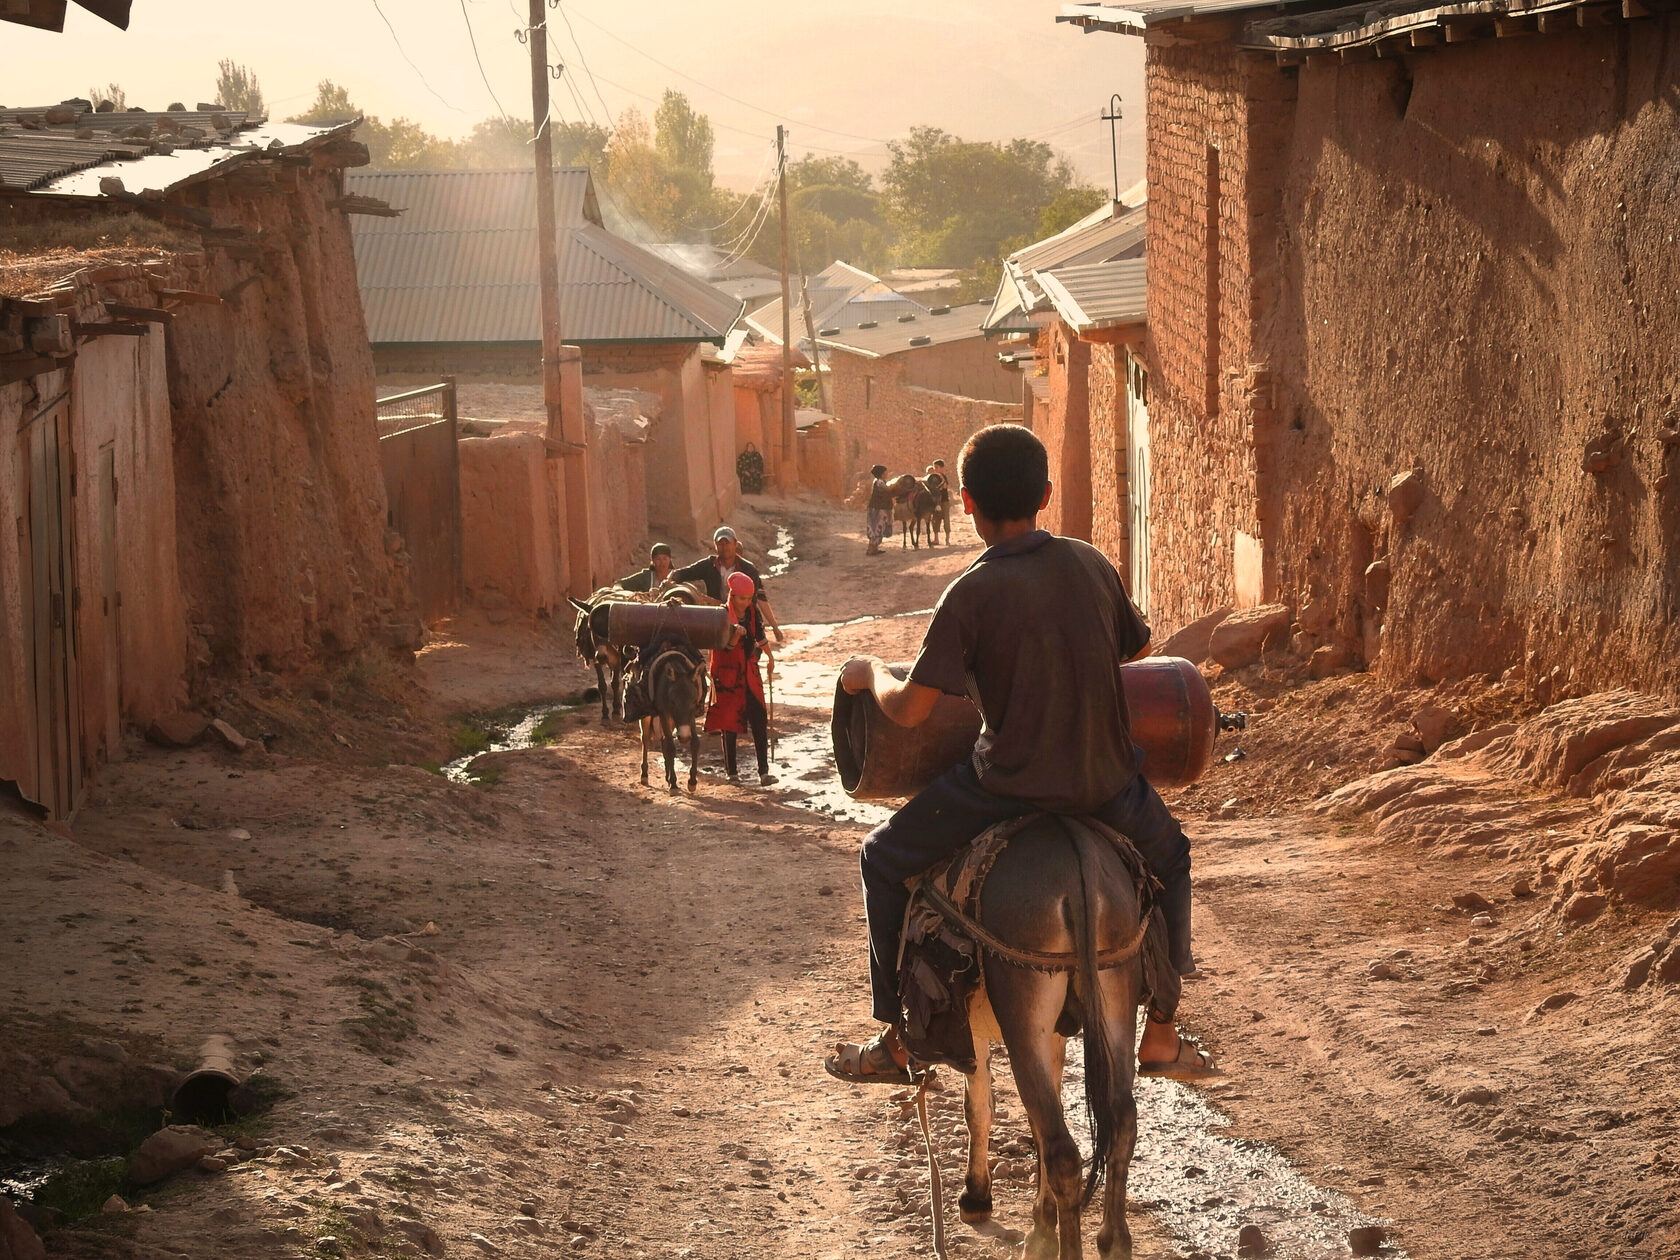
1425, 36
1507, 27
1555, 21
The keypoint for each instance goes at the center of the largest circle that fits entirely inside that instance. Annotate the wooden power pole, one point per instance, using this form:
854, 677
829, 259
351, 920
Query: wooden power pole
790, 428
565, 425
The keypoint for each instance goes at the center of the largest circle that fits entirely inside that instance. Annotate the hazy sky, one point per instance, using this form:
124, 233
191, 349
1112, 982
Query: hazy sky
864, 70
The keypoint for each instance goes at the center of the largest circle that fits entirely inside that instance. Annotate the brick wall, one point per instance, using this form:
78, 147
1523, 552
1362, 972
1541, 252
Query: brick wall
1210, 107
1110, 528
1064, 428
969, 367
903, 426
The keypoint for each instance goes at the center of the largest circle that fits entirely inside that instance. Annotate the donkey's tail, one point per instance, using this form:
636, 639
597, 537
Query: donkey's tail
1102, 1106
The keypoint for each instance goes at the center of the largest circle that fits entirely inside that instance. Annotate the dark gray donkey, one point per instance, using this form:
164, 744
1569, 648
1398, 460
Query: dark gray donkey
608, 658
1059, 888
674, 675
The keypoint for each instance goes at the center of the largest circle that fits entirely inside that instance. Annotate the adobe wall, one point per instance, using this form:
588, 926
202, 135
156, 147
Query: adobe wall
720, 425
969, 367
512, 506
1064, 428
280, 502
1209, 108
900, 425
1478, 280
617, 505
1110, 510
823, 459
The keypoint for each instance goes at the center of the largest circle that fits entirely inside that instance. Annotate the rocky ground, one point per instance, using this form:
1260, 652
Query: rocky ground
553, 1010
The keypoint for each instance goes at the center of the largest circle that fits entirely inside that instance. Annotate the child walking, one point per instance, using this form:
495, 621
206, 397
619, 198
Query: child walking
739, 691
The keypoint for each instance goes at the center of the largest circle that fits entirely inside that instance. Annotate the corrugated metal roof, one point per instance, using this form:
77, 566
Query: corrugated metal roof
1098, 295
959, 323
62, 158
460, 265
1112, 231
1141, 15
842, 296
1356, 25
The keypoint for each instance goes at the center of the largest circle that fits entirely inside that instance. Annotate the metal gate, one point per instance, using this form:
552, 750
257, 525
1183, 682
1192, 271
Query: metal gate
50, 606
421, 464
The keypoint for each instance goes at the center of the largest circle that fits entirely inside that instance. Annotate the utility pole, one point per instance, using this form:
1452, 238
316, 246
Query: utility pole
565, 425
1111, 116
790, 429
811, 336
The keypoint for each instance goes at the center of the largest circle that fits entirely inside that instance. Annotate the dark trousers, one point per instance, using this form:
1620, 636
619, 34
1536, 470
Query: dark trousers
756, 719
953, 810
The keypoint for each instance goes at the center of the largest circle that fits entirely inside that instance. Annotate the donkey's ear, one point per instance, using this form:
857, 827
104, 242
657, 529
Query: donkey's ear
577, 604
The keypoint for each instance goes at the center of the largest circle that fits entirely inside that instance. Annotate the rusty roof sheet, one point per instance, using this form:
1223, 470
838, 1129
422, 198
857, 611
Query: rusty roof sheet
460, 266
48, 15
1141, 15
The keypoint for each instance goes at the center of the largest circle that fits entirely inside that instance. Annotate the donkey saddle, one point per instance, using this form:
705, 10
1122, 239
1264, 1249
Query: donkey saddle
943, 940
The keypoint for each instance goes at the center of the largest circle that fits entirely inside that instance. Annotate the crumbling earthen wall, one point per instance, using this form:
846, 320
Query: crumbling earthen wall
901, 425
512, 507
281, 505
1210, 110
1110, 492
1478, 281
617, 504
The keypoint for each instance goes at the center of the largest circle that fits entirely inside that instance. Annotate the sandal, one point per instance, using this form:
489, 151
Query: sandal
1191, 1063
870, 1063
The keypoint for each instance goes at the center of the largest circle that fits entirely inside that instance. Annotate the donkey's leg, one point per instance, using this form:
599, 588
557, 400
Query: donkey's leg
647, 729
669, 730
694, 757
1027, 1004
975, 1205
1114, 1239
601, 686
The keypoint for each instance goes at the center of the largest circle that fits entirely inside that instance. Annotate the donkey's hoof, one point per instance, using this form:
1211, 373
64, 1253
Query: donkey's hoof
974, 1208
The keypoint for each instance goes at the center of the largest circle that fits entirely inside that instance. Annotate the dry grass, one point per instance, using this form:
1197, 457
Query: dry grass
34, 256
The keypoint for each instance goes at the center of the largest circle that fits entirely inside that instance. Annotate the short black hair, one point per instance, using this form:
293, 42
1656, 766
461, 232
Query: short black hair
939, 463
880, 470
658, 549
1005, 469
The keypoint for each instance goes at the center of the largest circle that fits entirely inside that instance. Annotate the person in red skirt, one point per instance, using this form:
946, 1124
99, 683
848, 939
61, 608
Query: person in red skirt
739, 691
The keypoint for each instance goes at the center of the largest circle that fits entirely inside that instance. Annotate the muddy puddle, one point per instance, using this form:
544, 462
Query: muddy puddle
525, 728
1203, 1186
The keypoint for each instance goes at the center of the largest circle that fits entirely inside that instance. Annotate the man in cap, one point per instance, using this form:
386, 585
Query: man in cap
712, 574
659, 568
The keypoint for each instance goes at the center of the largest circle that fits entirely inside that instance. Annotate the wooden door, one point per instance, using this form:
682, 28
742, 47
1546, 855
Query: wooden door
1137, 471
50, 612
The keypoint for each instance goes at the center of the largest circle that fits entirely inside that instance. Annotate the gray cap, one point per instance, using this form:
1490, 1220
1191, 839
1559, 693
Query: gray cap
722, 532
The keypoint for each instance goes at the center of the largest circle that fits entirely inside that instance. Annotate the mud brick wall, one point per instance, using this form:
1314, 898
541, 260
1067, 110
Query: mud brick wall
280, 501
888, 421
1210, 108
1476, 279
1064, 428
1110, 511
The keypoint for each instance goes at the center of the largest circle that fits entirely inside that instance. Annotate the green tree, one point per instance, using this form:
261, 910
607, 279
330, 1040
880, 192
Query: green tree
1068, 207
662, 174
400, 143
958, 203
108, 98
237, 89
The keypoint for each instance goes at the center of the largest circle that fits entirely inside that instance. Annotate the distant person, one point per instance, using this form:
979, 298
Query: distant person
739, 703
659, 568
939, 486
712, 573
877, 517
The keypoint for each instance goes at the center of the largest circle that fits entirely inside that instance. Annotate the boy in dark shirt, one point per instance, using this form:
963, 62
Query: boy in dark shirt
1034, 632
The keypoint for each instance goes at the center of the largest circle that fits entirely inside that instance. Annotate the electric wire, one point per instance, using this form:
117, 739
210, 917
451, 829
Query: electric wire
583, 60
473, 41
746, 197
404, 54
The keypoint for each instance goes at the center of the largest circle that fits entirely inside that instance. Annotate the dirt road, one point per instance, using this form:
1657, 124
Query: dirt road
558, 1011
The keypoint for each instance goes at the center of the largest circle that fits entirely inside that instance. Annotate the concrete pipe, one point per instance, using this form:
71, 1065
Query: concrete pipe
206, 1094
1173, 720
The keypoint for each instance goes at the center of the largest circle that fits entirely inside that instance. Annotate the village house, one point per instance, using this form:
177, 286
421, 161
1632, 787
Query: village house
841, 297
451, 287
1410, 322
193, 491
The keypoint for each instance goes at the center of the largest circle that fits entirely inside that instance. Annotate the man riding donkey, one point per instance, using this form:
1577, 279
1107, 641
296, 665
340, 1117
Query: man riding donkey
1034, 632
739, 690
